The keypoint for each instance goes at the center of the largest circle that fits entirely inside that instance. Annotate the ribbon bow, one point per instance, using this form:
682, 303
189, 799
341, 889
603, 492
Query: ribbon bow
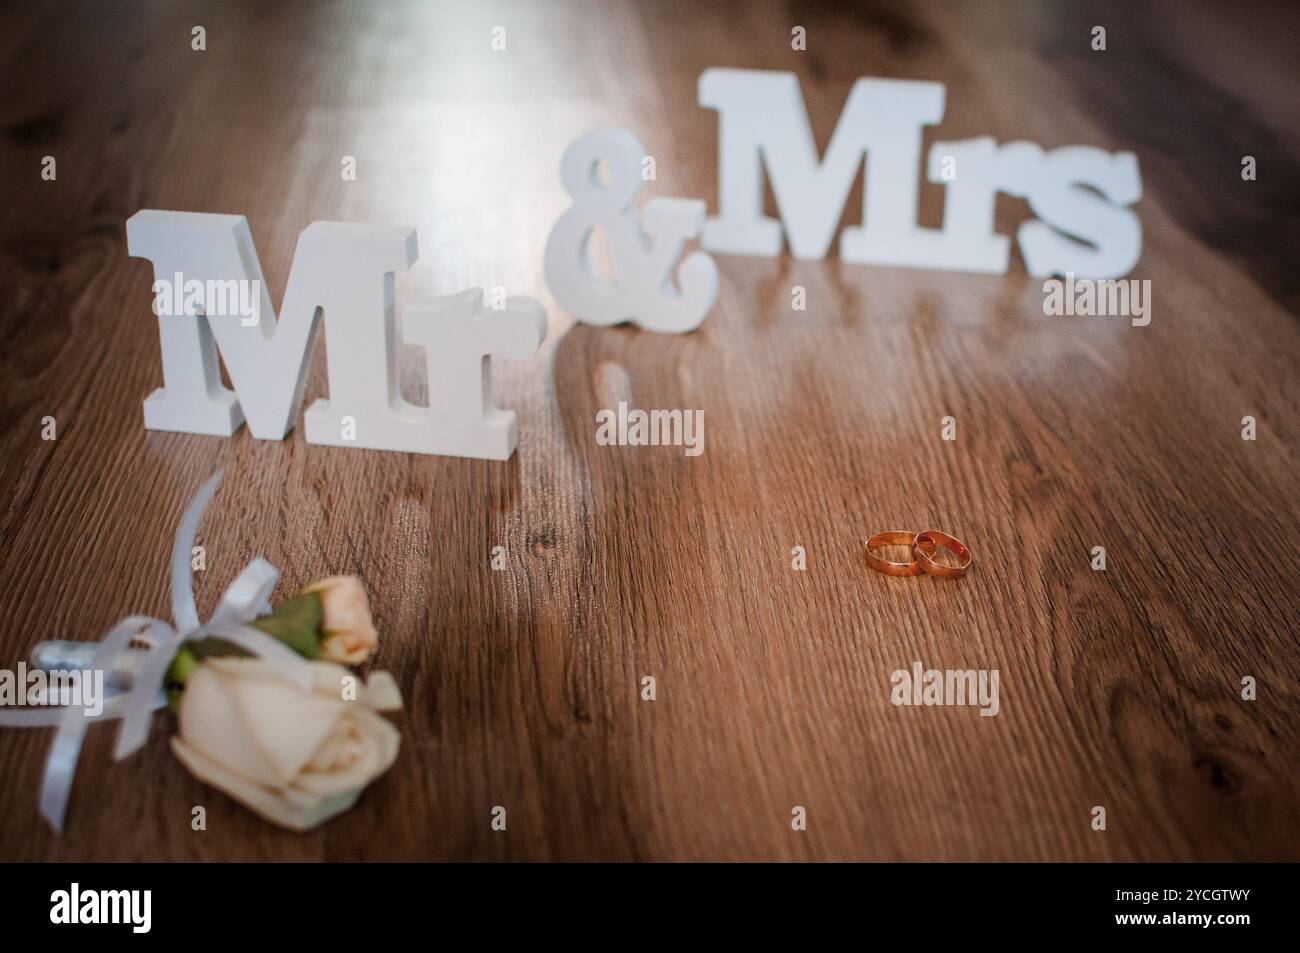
246, 598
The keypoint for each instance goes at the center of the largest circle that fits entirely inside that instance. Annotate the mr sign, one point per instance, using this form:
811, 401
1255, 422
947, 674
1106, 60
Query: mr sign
342, 275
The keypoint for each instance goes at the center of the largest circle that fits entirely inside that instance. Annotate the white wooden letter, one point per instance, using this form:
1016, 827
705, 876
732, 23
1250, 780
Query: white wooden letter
1094, 236
343, 271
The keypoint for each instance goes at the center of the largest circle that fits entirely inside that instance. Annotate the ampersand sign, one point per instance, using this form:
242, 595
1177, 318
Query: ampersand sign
645, 248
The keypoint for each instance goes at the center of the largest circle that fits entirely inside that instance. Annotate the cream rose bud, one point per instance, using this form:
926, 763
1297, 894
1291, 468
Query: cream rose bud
348, 633
297, 757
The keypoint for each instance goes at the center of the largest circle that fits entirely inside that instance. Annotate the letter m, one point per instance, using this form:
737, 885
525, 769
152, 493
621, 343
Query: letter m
344, 272
762, 121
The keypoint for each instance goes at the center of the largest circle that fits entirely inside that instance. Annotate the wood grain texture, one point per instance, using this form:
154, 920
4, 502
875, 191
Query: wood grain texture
1118, 688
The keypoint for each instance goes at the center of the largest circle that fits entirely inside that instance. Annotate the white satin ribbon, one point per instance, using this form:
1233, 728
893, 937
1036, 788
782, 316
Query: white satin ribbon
245, 599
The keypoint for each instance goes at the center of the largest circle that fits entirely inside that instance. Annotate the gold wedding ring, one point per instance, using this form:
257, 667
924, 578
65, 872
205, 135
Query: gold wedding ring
896, 538
925, 558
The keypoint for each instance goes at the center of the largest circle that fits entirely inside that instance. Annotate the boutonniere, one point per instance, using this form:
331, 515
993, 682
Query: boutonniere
266, 709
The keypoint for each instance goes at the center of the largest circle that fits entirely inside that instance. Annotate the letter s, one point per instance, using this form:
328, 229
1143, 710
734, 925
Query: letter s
1094, 236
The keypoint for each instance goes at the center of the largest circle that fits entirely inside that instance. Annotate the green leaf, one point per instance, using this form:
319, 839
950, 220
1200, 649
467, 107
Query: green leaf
182, 665
296, 623
178, 673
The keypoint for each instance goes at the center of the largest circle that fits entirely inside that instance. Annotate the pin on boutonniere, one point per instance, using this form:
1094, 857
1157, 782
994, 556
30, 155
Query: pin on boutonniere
266, 709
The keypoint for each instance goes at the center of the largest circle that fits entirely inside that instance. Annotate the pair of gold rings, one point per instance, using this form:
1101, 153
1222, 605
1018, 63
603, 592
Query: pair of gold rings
924, 548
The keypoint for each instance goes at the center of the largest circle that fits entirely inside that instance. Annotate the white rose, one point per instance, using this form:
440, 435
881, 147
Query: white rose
348, 633
295, 757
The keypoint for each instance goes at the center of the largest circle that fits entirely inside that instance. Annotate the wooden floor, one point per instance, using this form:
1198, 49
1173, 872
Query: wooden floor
1119, 688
